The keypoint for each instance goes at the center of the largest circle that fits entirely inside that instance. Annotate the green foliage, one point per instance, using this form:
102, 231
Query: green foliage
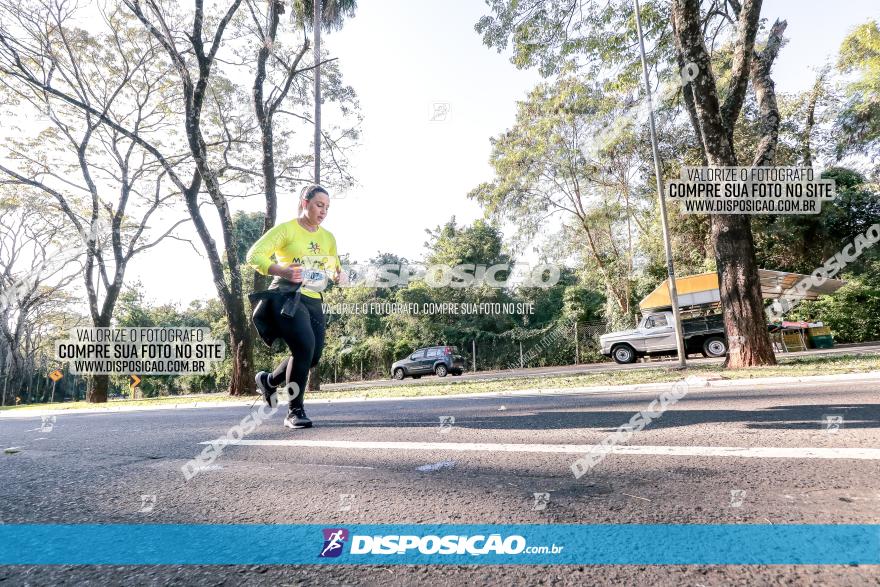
134, 310
800, 243
859, 122
333, 13
574, 153
247, 228
853, 312
378, 340
554, 34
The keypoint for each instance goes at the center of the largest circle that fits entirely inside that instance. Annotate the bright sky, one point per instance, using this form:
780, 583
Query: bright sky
411, 60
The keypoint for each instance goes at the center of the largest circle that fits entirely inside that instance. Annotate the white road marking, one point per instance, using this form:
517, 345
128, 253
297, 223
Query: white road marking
334, 466
436, 466
761, 452
204, 468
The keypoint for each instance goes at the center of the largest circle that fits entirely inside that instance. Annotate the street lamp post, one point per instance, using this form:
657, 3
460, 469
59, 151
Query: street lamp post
670, 268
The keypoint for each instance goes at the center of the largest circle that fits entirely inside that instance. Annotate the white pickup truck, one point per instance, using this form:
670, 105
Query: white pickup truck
655, 335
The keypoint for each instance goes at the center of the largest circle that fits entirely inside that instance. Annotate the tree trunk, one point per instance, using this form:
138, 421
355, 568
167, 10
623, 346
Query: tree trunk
741, 299
815, 95
314, 382
97, 390
317, 40
241, 352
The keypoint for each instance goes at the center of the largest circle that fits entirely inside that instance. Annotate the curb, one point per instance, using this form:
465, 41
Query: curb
35, 413
697, 382
638, 387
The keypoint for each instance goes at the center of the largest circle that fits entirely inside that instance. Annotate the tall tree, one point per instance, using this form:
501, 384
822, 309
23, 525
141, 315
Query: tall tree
279, 89
599, 42
859, 122
549, 165
714, 122
193, 61
327, 15
265, 106
35, 267
107, 186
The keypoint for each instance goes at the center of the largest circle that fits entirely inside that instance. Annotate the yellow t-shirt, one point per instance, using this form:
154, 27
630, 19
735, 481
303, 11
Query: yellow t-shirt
291, 243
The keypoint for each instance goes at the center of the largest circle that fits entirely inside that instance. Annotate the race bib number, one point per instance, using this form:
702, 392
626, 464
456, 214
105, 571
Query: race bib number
315, 279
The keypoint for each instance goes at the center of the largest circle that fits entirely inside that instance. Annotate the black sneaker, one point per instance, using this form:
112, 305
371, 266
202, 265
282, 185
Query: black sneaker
266, 390
296, 418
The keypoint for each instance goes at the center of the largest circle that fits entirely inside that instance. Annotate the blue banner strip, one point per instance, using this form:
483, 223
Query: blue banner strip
629, 544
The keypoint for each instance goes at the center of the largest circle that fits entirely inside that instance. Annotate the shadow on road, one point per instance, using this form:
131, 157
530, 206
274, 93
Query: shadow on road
792, 417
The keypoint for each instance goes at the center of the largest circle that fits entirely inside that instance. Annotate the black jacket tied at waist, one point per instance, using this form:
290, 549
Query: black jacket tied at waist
287, 294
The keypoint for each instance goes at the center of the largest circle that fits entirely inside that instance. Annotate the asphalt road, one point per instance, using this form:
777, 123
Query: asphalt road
868, 348
95, 468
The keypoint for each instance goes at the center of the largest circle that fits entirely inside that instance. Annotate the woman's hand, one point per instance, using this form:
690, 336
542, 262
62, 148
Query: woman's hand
293, 273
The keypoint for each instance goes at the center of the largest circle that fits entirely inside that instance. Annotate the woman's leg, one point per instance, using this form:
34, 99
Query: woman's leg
319, 328
317, 325
296, 331
278, 376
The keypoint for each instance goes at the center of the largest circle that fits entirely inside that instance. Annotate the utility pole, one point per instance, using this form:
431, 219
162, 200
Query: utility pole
316, 32
670, 269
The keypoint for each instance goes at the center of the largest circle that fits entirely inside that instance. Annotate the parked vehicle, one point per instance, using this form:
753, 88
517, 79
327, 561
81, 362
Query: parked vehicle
655, 336
438, 360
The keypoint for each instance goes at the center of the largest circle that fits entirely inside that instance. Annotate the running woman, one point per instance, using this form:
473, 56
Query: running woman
300, 246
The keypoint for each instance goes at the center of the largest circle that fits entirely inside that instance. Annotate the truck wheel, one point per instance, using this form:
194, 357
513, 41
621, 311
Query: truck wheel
715, 346
623, 354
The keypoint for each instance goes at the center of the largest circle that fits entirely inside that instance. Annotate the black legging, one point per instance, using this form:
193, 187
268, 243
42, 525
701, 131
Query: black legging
304, 335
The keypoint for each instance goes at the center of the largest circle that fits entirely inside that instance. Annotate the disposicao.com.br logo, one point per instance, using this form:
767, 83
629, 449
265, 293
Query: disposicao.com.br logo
476, 545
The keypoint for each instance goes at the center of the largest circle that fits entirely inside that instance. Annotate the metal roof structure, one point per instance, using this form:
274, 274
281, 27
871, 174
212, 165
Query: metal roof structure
702, 289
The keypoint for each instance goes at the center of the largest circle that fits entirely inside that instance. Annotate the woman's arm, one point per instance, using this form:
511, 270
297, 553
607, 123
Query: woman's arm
259, 256
340, 276
292, 272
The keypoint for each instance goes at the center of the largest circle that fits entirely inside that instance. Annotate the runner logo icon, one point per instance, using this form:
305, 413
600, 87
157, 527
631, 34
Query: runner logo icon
334, 540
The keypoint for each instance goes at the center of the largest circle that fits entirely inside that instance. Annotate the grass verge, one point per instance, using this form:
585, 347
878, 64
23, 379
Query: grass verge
797, 367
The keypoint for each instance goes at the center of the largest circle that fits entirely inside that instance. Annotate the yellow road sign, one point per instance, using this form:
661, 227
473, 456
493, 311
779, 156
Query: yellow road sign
133, 387
55, 375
